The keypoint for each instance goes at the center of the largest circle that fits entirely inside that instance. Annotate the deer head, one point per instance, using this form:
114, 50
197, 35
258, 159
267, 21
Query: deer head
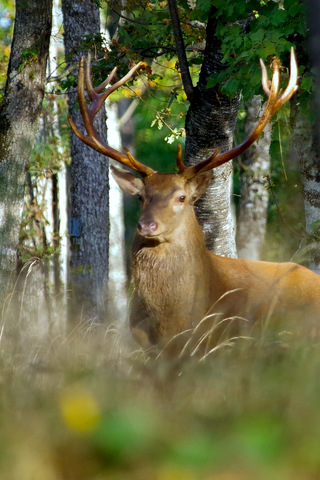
167, 197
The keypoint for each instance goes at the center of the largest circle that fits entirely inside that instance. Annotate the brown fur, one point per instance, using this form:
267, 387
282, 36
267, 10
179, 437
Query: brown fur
178, 282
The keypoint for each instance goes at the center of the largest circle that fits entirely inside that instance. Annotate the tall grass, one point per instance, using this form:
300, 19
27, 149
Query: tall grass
90, 405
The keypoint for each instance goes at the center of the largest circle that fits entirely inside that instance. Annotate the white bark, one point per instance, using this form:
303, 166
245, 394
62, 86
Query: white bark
210, 123
117, 276
117, 284
252, 218
60, 210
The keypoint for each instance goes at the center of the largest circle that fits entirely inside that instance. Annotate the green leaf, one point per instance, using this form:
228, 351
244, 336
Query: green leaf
231, 87
307, 83
278, 17
202, 9
257, 36
198, 60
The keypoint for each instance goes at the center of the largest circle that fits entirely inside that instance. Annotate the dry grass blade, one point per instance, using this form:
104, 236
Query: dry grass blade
209, 334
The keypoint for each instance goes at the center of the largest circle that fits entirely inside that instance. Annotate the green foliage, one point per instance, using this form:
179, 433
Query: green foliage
6, 28
46, 159
33, 242
252, 30
247, 31
154, 126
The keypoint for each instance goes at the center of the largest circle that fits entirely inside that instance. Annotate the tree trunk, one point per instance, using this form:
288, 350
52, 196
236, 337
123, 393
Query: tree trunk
19, 113
60, 259
117, 278
117, 285
304, 146
252, 218
309, 157
89, 229
210, 124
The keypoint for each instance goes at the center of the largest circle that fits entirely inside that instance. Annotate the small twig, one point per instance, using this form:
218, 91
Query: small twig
63, 74
181, 51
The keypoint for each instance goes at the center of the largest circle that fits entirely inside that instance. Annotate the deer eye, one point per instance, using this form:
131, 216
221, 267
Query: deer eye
139, 197
182, 198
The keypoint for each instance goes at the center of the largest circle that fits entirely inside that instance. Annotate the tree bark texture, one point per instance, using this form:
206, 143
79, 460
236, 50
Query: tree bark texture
210, 124
19, 113
304, 146
310, 166
313, 16
89, 228
252, 218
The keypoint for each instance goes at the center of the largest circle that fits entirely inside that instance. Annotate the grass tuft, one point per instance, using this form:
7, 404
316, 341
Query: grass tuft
90, 405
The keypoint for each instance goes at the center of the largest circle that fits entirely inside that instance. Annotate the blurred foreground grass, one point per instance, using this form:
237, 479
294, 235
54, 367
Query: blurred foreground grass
90, 407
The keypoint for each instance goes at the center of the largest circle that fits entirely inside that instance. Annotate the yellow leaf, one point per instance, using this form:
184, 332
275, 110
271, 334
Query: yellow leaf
79, 409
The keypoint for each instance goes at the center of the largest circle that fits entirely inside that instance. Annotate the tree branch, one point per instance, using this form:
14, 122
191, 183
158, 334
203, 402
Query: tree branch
181, 51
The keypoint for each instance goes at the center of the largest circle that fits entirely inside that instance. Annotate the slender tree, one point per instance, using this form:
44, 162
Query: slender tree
307, 140
88, 224
210, 124
19, 113
253, 203
305, 148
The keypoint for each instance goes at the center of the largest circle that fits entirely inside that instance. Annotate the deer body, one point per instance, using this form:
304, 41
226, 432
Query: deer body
177, 281
171, 286
174, 298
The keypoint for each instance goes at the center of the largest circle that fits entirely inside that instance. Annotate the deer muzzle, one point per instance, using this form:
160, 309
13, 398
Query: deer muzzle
147, 229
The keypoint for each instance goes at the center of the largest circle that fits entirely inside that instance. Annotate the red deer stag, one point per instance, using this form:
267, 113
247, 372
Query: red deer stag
177, 281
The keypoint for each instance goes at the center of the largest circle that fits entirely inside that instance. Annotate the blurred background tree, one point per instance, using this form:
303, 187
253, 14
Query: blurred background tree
19, 112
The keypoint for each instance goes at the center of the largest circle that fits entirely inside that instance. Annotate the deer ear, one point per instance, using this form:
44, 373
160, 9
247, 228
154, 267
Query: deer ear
199, 184
126, 181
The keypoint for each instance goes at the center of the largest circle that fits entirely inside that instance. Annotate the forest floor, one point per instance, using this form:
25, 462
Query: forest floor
92, 406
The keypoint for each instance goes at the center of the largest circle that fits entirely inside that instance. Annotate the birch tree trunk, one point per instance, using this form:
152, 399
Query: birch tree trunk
117, 279
252, 218
117, 285
210, 124
88, 226
59, 185
19, 113
310, 164
304, 147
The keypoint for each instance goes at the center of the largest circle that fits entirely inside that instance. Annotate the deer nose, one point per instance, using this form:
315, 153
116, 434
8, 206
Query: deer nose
147, 228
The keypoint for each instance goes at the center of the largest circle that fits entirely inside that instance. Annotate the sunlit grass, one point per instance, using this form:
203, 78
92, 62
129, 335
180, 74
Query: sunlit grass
91, 405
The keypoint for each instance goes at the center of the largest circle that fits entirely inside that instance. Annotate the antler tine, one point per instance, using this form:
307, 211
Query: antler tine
275, 82
93, 92
181, 166
190, 172
264, 79
292, 86
102, 85
275, 101
89, 113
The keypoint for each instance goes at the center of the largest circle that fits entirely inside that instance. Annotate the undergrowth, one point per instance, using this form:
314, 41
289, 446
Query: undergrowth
91, 406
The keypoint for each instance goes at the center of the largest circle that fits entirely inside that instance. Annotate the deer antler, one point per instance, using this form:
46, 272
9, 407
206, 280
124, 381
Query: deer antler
275, 101
89, 112
98, 95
